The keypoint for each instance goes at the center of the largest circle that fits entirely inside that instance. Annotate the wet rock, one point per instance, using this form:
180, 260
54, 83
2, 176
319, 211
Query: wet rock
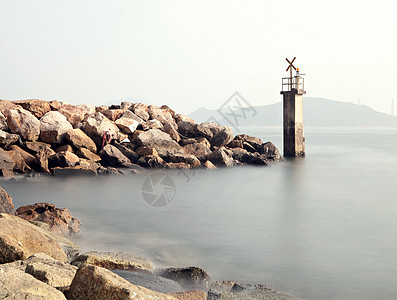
63, 159
59, 219
189, 159
270, 151
22, 122
127, 125
19, 163
222, 137
37, 107
19, 239
87, 154
111, 156
159, 140
150, 281
42, 159
113, 114
92, 282
114, 261
27, 157
170, 129
221, 158
78, 139
189, 278
6, 204
73, 113
6, 164
8, 139
208, 165
95, 127
16, 284
75, 171
53, 126
152, 124
190, 295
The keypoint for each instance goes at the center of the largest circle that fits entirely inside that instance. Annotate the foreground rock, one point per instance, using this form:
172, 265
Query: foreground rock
6, 204
59, 219
190, 278
92, 282
16, 284
114, 261
22, 122
20, 239
53, 126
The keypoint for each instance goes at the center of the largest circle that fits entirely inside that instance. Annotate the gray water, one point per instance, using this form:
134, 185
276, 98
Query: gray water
322, 227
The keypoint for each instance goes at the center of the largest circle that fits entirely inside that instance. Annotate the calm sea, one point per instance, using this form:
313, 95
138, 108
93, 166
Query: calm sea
322, 227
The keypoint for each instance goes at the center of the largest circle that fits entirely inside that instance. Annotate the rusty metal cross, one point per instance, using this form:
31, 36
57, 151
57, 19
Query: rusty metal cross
290, 69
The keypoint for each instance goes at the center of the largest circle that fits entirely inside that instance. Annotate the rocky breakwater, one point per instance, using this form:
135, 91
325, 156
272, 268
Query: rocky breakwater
64, 139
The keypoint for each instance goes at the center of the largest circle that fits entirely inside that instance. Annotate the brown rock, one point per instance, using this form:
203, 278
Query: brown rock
19, 163
42, 159
22, 122
114, 261
152, 124
89, 109
144, 151
159, 140
162, 115
189, 278
59, 219
185, 158
270, 151
6, 105
6, 204
170, 129
53, 126
125, 105
8, 139
55, 104
179, 165
73, 113
80, 170
168, 109
63, 159
101, 108
222, 137
130, 115
197, 149
92, 282
221, 158
35, 147
96, 125
180, 117
64, 148
127, 125
3, 122
188, 129
150, 161
87, 154
253, 141
113, 114
128, 150
78, 139
235, 144
6, 164
208, 165
27, 157
19, 239
111, 156
37, 107
190, 295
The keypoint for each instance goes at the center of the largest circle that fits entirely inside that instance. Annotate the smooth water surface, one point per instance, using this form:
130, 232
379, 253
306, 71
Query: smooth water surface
322, 227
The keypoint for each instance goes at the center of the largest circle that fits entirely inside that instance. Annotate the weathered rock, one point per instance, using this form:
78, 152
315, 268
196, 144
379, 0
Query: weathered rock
125, 104
208, 165
220, 158
60, 220
87, 154
74, 171
96, 125
6, 164
190, 295
78, 139
64, 148
88, 165
159, 140
3, 122
113, 114
179, 165
253, 141
249, 158
92, 282
6, 204
19, 163
222, 137
89, 109
73, 113
53, 126
37, 107
27, 157
142, 114
270, 151
197, 149
189, 278
170, 129
101, 108
128, 151
151, 161
188, 129
42, 159
201, 140
111, 156
19, 239
16, 284
58, 274
35, 147
235, 144
150, 281
180, 117
130, 115
127, 125
162, 115
55, 104
144, 151
8, 139
6, 105
152, 124
189, 159
114, 261
63, 159
22, 122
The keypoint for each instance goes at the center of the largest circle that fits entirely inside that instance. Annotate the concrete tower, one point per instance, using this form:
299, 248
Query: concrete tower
293, 91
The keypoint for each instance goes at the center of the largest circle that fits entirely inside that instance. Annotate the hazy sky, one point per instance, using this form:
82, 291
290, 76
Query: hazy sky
189, 54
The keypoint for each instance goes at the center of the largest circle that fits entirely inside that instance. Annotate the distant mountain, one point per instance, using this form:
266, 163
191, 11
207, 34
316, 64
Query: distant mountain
317, 112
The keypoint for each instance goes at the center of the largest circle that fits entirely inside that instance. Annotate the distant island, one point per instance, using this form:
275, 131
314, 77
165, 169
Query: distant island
318, 112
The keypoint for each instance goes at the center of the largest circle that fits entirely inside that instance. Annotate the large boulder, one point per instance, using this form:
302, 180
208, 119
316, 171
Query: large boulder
253, 141
159, 140
198, 149
188, 129
63, 159
87, 154
113, 114
114, 261
22, 122
16, 285
89, 109
19, 239
170, 129
222, 137
96, 125
73, 113
6, 204
41, 158
37, 107
6, 164
221, 158
270, 151
27, 157
111, 156
78, 139
6, 105
127, 151
92, 282
189, 278
130, 115
53, 126
162, 115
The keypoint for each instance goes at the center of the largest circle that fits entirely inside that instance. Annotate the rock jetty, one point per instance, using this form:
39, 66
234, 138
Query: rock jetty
63, 139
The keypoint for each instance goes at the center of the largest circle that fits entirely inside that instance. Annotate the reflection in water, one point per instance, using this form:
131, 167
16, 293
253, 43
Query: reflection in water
321, 227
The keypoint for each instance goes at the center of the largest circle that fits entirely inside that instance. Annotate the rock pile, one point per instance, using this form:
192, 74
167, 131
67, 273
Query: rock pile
65, 139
